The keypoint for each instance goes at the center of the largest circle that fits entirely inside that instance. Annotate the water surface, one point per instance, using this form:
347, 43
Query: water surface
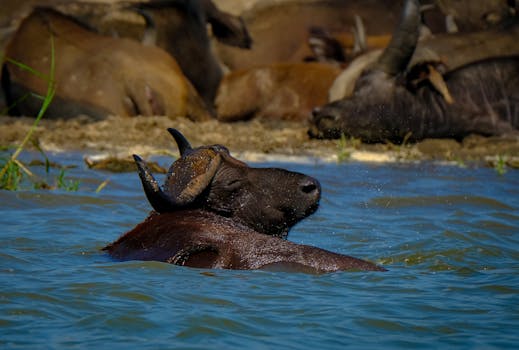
448, 235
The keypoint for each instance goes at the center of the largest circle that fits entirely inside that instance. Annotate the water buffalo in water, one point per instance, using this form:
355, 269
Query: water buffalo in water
216, 212
94, 75
404, 96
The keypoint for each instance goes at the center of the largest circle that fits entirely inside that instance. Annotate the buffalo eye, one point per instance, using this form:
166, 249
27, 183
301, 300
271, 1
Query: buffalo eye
232, 185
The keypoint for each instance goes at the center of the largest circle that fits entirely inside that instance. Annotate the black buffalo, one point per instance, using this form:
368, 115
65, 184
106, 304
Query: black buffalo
216, 212
446, 86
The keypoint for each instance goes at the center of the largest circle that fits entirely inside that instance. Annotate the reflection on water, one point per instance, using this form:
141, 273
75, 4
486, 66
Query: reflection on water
449, 237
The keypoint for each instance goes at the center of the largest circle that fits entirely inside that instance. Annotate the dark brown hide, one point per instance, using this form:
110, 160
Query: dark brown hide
95, 75
396, 99
202, 239
179, 27
476, 15
455, 51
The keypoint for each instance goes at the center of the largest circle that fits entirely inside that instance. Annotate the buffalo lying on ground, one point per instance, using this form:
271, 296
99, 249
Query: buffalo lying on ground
405, 96
179, 27
284, 91
216, 212
94, 75
181, 30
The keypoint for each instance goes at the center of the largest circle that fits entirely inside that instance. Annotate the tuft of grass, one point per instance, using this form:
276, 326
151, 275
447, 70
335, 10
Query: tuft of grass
500, 165
11, 176
345, 146
67, 185
13, 170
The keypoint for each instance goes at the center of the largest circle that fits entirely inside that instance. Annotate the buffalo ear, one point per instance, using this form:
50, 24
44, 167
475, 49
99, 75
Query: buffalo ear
191, 174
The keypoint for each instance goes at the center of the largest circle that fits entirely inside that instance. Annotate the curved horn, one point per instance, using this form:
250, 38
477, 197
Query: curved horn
159, 200
397, 55
182, 143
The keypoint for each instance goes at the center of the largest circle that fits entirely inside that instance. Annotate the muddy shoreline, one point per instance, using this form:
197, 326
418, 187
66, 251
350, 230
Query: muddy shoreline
252, 140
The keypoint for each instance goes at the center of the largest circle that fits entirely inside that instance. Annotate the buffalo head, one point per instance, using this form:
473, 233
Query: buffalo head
268, 200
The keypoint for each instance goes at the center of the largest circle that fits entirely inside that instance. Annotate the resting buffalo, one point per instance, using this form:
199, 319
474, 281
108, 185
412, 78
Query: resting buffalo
447, 86
94, 75
179, 27
287, 91
216, 212
181, 30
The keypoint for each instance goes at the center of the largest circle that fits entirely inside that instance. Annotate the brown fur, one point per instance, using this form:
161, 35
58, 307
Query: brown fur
286, 91
181, 28
477, 15
95, 75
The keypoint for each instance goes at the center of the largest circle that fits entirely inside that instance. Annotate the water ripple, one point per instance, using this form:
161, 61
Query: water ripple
448, 236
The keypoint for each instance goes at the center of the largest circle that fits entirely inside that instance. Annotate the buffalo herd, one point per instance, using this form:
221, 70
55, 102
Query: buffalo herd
377, 71
369, 69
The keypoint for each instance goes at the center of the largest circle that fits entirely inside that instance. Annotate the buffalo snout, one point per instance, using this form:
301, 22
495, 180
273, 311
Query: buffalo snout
310, 192
310, 187
325, 122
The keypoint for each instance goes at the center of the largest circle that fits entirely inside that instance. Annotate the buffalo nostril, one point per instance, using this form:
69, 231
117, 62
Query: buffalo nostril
309, 186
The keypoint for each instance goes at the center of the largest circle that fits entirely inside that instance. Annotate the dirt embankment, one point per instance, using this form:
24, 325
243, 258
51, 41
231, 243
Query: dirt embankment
120, 137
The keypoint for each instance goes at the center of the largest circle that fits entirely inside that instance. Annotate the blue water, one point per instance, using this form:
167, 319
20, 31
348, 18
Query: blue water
448, 235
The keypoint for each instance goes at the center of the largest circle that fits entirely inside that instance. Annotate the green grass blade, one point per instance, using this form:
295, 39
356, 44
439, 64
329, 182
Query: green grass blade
51, 90
28, 68
12, 165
